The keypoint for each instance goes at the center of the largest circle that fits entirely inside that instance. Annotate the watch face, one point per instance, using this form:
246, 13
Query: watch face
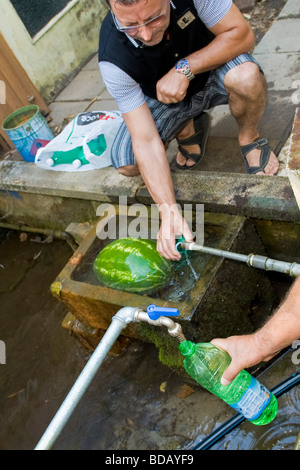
181, 64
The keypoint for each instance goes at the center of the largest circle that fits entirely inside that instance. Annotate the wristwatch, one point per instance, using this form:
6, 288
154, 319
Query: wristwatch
182, 66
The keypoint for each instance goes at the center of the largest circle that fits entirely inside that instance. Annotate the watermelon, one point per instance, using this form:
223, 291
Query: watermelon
132, 265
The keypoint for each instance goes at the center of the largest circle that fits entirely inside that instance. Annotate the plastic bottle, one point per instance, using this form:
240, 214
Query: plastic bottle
73, 157
206, 364
97, 146
76, 156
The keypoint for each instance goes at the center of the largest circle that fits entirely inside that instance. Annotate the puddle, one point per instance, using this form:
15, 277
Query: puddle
133, 403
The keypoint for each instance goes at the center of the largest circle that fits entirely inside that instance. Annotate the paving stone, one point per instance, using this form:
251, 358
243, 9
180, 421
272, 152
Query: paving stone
61, 111
283, 37
273, 62
86, 85
92, 64
291, 8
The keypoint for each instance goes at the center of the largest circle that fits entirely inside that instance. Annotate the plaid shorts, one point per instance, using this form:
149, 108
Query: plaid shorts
171, 118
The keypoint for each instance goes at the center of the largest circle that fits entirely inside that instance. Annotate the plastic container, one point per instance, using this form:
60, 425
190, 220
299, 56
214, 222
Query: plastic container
28, 130
206, 364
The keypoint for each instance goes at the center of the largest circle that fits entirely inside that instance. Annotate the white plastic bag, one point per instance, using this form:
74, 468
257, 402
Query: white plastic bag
84, 144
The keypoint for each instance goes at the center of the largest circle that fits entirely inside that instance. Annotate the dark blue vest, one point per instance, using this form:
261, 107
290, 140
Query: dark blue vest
146, 65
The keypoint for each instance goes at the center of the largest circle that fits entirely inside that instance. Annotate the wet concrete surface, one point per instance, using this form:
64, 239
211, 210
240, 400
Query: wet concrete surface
133, 403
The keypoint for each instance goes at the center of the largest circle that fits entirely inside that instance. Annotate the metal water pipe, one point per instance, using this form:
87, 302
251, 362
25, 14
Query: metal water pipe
119, 321
256, 261
49, 233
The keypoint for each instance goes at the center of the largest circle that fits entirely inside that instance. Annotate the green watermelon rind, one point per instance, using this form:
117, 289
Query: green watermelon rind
111, 269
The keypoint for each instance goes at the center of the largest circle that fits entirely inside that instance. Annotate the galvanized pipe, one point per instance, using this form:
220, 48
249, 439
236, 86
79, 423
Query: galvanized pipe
174, 329
119, 321
256, 261
43, 231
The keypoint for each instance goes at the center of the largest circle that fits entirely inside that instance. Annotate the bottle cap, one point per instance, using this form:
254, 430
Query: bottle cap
76, 163
187, 348
50, 162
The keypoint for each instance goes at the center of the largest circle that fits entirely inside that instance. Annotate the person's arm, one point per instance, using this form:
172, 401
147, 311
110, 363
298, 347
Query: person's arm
150, 155
279, 332
234, 36
154, 167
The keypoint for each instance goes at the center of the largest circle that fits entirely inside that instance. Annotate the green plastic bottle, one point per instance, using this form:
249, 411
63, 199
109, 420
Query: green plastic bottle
73, 157
76, 156
206, 364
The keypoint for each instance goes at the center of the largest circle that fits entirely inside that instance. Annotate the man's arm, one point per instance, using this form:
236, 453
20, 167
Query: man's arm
154, 167
234, 36
279, 332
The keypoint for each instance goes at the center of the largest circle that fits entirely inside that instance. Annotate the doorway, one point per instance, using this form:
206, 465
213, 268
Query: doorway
17, 90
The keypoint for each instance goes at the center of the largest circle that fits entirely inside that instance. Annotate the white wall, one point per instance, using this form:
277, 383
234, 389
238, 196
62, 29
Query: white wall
60, 49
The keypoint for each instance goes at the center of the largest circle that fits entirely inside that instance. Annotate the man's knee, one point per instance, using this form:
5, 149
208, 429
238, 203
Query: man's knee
129, 170
245, 79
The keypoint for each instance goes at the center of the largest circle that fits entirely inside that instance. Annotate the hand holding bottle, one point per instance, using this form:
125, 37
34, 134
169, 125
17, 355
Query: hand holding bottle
278, 332
244, 352
206, 364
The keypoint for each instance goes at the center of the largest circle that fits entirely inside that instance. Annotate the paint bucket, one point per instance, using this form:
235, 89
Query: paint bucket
28, 130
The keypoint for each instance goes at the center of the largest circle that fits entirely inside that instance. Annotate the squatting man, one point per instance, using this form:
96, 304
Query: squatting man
166, 63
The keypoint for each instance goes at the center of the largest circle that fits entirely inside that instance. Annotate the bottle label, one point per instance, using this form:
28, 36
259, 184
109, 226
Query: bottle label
254, 400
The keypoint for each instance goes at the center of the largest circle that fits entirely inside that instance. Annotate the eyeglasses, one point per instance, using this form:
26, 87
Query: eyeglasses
131, 30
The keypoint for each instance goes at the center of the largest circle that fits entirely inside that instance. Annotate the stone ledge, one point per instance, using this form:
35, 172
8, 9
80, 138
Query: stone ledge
260, 197
100, 185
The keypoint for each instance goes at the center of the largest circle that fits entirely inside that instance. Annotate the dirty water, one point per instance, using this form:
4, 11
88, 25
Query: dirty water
133, 403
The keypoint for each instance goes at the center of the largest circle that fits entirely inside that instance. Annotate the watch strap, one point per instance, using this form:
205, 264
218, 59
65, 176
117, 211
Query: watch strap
182, 66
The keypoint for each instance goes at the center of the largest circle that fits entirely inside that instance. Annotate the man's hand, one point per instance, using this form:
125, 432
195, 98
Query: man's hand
172, 224
245, 351
172, 87
279, 332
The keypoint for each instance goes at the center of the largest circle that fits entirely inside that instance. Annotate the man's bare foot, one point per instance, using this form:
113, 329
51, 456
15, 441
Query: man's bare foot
247, 88
182, 161
192, 141
187, 132
253, 159
258, 157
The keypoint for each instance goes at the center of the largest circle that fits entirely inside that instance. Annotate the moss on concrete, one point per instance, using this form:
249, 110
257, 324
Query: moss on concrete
167, 346
55, 289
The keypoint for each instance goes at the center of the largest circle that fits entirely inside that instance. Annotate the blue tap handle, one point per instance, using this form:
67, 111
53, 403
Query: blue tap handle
155, 312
